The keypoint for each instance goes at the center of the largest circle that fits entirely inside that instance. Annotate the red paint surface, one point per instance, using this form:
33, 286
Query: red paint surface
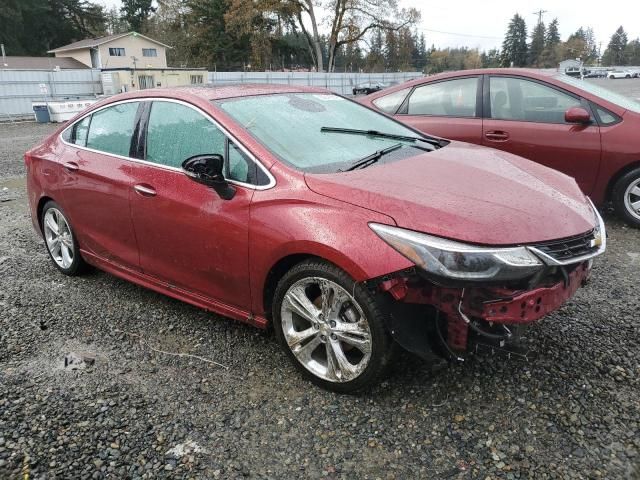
188, 243
595, 156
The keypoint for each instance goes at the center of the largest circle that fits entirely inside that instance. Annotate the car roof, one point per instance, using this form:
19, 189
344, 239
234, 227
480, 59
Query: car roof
529, 72
218, 92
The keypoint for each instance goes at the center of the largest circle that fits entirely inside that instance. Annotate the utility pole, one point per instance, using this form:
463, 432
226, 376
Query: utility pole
539, 13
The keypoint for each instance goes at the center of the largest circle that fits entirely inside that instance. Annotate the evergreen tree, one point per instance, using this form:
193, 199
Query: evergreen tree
391, 51
136, 13
31, 27
375, 58
537, 45
615, 52
514, 47
632, 52
552, 38
550, 55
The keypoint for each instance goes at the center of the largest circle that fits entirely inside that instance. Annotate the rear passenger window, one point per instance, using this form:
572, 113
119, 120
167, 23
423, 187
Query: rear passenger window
80, 131
527, 101
390, 103
177, 132
451, 98
111, 128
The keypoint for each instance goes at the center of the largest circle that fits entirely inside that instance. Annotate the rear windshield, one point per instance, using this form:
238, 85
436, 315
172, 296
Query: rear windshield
602, 92
289, 125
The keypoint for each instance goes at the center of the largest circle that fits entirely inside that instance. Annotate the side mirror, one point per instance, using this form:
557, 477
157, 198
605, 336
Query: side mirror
577, 115
208, 170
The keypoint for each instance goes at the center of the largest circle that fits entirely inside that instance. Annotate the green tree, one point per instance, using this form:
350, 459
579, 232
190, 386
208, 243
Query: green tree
632, 52
514, 47
31, 27
491, 59
210, 42
552, 37
615, 52
348, 21
537, 46
375, 57
136, 13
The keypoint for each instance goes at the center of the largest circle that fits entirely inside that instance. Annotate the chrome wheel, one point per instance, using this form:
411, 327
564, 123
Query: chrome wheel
632, 198
326, 330
58, 237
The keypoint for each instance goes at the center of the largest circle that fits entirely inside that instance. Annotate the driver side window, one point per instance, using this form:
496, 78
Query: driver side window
526, 101
177, 132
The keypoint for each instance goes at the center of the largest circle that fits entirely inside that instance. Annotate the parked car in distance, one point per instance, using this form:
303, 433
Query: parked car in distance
352, 234
595, 74
574, 126
613, 74
370, 87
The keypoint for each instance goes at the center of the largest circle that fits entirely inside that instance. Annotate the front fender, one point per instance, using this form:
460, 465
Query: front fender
316, 226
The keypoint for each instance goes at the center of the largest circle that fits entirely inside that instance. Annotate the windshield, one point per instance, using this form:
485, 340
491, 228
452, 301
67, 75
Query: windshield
602, 92
290, 124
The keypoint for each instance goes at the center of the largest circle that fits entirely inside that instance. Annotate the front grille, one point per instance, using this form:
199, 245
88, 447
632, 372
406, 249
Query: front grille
569, 248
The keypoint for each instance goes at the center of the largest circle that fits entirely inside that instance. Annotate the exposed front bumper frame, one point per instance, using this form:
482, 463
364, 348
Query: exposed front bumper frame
464, 307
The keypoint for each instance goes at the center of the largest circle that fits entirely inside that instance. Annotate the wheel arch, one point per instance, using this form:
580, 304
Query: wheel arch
40, 207
620, 173
281, 266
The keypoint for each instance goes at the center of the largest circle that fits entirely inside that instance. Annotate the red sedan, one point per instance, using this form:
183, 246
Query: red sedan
345, 229
573, 126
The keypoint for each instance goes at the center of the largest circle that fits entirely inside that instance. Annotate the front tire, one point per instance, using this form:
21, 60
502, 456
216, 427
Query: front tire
626, 197
332, 328
60, 240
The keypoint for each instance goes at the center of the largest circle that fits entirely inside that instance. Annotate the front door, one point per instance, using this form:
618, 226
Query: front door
97, 183
526, 117
448, 108
189, 237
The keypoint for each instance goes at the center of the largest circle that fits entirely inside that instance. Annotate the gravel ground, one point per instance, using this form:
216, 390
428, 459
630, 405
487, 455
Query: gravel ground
143, 408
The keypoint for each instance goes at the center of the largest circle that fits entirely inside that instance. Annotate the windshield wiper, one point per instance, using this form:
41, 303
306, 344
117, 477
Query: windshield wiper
373, 158
376, 133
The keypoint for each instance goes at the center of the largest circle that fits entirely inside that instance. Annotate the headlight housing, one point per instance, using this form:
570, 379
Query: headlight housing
460, 261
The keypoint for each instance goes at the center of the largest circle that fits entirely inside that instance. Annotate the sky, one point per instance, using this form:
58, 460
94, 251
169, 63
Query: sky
482, 24
472, 21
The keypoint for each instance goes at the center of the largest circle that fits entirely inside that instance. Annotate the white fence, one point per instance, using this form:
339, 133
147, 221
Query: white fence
341, 83
18, 88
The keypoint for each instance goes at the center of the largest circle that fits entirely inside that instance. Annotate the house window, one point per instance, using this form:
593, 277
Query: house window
149, 52
145, 81
116, 52
196, 80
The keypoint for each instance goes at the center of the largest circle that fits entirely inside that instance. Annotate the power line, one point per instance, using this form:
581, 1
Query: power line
460, 34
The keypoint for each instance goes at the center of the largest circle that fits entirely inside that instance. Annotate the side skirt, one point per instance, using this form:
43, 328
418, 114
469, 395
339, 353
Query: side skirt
172, 291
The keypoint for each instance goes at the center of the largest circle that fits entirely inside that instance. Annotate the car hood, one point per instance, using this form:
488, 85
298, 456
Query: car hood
468, 193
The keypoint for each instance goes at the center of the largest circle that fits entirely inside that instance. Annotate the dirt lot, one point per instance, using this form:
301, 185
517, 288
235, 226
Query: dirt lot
145, 409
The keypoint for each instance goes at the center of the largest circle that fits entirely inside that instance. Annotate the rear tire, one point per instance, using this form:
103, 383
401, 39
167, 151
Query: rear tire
60, 240
322, 318
626, 197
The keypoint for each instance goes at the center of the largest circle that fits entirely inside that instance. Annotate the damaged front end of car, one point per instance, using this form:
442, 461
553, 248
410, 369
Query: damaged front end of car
461, 296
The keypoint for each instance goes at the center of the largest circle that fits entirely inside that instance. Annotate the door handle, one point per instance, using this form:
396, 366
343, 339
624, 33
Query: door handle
71, 166
497, 136
145, 190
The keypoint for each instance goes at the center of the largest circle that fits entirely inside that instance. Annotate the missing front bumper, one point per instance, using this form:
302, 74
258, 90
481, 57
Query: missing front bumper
488, 313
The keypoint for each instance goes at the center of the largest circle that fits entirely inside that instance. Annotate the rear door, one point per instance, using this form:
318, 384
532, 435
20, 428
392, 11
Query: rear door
526, 117
189, 237
97, 182
448, 108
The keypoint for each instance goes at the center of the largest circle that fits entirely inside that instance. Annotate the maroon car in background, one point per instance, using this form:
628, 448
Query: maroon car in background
343, 228
573, 126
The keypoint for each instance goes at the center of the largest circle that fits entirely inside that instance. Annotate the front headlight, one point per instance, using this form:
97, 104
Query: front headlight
599, 232
459, 261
